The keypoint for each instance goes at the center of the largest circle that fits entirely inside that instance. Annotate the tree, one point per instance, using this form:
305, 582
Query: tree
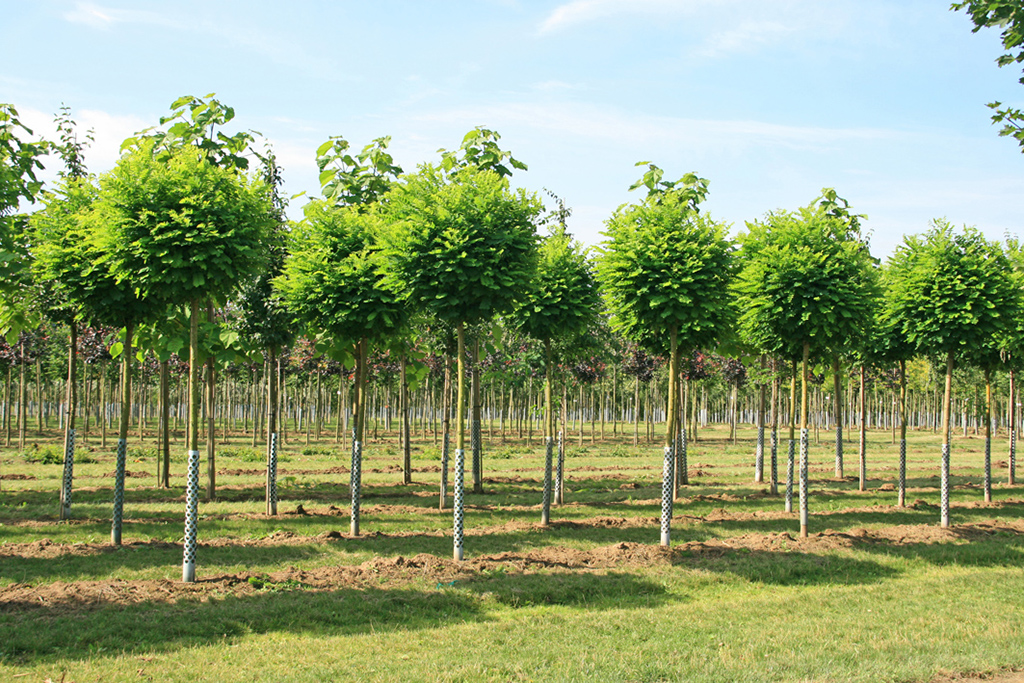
665, 271
1009, 16
57, 265
889, 345
462, 246
264, 321
20, 159
333, 281
807, 290
185, 230
561, 304
951, 294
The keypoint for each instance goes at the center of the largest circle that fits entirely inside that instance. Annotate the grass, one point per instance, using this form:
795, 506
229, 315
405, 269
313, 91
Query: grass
737, 600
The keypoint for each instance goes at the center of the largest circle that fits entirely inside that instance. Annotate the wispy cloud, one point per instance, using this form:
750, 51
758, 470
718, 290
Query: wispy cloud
747, 37
97, 16
716, 27
627, 129
583, 11
274, 47
555, 86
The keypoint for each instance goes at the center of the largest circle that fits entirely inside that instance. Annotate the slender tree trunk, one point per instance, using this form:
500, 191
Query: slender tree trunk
944, 503
682, 467
615, 405
446, 428
122, 433
188, 568
406, 446
803, 443
460, 447
165, 419
22, 398
791, 448
668, 468
474, 424
759, 449
636, 412
69, 424
39, 396
988, 435
1012, 474
579, 410
837, 410
902, 434
863, 442
356, 472
549, 442
211, 424
773, 486
102, 379
270, 492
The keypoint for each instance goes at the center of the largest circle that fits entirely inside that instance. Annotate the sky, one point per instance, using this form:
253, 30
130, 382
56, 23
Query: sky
771, 101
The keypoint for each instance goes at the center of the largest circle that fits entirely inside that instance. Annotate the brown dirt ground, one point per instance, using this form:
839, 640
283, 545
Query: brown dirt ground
397, 571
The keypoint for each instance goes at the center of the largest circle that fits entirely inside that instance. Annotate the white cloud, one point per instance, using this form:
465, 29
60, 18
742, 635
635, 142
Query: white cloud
583, 11
626, 129
109, 131
275, 47
94, 15
554, 86
747, 37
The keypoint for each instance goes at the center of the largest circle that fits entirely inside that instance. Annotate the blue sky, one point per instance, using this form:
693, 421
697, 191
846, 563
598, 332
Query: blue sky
769, 100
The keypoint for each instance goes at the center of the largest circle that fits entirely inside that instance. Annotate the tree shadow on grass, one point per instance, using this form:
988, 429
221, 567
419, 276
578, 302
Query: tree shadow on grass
782, 568
68, 631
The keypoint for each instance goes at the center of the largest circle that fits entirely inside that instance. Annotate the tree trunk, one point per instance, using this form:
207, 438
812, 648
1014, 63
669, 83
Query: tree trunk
406, 446
446, 428
460, 445
188, 568
944, 503
211, 424
474, 427
549, 445
837, 413
773, 486
122, 434
668, 468
22, 398
803, 443
863, 441
1012, 475
165, 420
356, 471
792, 439
759, 449
270, 493
69, 425
988, 436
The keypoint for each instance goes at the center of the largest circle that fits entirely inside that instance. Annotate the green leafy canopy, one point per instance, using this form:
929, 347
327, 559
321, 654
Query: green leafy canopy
806, 277
664, 265
952, 292
465, 246
333, 277
182, 229
563, 301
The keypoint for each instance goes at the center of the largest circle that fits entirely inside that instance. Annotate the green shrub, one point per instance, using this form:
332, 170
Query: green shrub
320, 450
47, 455
621, 451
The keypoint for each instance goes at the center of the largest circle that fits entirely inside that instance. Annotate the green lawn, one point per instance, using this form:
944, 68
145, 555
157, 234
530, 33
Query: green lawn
877, 593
